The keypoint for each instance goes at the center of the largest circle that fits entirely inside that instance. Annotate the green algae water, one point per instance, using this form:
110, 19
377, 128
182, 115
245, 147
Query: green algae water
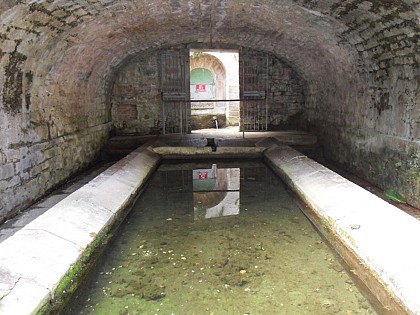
225, 238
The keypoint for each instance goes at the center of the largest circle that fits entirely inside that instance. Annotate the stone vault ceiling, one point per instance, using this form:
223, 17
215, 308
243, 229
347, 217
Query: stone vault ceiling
84, 40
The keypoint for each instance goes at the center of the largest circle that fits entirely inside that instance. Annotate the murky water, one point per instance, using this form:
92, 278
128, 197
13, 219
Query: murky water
207, 239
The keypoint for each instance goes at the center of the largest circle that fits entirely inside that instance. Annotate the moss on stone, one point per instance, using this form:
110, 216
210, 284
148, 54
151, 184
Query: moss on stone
383, 103
29, 80
38, 7
394, 195
12, 88
75, 274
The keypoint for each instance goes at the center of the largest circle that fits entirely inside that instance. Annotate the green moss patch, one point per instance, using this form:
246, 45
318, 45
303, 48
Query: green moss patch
13, 89
69, 283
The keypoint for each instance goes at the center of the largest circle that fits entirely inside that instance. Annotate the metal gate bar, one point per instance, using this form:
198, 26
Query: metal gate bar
175, 92
208, 101
254, 107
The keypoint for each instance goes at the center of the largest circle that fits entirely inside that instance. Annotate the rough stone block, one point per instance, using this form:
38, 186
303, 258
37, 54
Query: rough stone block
7, 171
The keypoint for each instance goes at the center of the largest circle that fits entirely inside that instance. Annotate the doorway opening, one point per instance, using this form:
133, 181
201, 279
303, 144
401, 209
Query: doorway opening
214, 88
153, 94
208, 88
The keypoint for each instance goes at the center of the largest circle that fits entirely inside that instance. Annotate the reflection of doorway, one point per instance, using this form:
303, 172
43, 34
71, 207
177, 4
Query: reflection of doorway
214, 79
216, 192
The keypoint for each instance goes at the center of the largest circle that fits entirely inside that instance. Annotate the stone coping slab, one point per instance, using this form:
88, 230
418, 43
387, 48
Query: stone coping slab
35, 259
382, 238
206, 152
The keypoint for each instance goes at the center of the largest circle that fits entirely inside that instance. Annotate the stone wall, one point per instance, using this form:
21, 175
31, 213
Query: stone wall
136, 102
372, 127
284, 88
286, 101
50, 128
58, 60
31, 167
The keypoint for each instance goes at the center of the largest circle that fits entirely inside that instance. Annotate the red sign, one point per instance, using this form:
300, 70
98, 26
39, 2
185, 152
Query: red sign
203, 175
200, 87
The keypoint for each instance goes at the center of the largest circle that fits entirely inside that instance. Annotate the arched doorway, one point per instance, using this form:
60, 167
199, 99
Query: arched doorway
208, 82
202, 84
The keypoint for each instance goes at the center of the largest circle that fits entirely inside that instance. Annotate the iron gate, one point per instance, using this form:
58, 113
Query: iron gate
175, 92
253, 88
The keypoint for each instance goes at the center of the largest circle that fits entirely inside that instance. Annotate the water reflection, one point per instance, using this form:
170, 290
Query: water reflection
216, 192
267, 260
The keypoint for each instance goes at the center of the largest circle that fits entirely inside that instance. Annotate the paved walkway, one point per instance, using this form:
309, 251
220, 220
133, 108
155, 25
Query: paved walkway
10, 227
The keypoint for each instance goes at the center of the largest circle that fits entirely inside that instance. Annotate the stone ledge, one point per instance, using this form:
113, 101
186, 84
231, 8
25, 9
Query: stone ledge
206, 152
375, 238
36, 258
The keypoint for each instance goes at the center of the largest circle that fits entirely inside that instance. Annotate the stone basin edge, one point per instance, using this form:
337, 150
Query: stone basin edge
373, 237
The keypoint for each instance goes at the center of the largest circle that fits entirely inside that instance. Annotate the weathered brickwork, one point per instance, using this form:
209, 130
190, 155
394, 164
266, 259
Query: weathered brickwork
285, 95
136, 102
126, 112
377, 134
359, 61
29, 170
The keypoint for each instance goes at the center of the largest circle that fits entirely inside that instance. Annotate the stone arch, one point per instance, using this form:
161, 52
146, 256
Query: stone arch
213, 64
202, 81
203, 112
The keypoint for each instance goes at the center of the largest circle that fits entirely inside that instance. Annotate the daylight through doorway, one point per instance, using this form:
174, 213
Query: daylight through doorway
214, 88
